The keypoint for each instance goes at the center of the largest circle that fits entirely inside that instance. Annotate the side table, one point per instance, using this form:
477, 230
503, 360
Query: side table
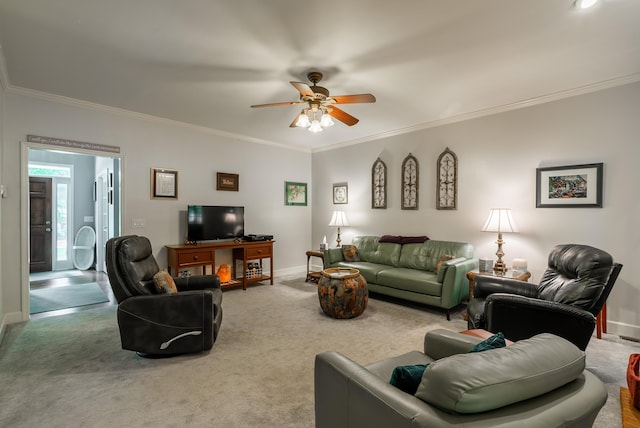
314, 275
475, 272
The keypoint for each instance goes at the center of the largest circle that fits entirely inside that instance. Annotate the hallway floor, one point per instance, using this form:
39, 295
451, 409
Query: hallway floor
62, 278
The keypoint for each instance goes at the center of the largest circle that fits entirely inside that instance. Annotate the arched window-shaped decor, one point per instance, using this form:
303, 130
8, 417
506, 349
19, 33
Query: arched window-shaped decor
410, 183
379, 185
447, 181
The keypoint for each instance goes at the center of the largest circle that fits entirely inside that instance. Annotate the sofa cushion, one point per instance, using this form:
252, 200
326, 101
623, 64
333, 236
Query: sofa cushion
413, 256
350, 253
407, 378
417, 281
369, 271
479, 382
384, 253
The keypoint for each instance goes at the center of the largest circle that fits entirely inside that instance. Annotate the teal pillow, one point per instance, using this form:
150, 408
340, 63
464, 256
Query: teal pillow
407, 378
494, 342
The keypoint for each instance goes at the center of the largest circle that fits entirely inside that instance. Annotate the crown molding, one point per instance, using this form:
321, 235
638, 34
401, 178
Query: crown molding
580, 90
142, 116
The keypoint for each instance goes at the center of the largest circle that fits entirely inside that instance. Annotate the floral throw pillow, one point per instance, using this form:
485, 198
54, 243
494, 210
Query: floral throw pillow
164, 283
350, 253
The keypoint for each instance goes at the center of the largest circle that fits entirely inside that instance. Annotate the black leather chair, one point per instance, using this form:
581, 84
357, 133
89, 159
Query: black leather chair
571, 293
155, 324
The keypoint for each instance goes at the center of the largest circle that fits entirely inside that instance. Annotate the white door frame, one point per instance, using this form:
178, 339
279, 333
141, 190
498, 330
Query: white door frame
24, 208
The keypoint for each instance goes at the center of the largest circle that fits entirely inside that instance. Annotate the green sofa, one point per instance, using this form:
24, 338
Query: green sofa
408, 270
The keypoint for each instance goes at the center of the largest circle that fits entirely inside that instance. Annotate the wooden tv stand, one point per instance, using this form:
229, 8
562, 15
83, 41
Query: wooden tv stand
188, 256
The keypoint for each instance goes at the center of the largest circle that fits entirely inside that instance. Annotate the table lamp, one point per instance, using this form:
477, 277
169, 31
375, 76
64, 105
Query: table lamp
500, 220
339, 218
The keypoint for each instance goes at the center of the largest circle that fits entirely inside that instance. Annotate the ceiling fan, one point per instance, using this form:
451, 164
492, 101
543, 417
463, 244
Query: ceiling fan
320, 105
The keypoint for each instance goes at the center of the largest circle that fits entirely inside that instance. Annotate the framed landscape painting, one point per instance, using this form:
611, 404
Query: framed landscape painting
295, 193
574, 186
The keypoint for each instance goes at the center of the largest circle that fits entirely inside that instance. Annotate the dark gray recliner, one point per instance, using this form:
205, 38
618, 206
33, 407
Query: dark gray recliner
155, 324
566, 302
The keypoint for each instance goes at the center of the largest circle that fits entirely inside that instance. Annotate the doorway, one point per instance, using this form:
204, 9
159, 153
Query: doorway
83, 192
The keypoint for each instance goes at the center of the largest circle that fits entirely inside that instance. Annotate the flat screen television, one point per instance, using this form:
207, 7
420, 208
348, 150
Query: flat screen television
209, 222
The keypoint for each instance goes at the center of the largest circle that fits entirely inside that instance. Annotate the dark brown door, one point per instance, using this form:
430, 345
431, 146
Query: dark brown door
39, 224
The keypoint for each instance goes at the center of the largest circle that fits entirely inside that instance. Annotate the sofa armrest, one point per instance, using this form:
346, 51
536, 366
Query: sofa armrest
441, 343
536, 316
197, 282
485, 285
333, 256
455, 287
347, 395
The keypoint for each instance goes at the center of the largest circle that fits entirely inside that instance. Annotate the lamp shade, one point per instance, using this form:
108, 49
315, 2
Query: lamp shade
500, 220
339, 218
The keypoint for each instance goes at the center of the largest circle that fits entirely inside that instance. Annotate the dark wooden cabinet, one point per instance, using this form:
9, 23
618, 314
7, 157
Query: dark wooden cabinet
249, 256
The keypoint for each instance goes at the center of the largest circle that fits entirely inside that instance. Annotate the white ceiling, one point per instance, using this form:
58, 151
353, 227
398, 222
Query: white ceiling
204, 62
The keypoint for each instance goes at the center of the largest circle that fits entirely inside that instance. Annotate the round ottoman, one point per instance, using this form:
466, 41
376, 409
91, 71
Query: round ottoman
343, 293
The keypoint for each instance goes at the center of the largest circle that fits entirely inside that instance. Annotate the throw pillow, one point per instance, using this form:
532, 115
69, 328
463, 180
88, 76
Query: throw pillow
164, 283
350, 253
407, 378
494, 342
442, 260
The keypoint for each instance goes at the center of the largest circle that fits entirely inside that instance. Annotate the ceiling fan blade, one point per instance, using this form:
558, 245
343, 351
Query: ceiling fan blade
295, 120
342, 116
287, 103
353, 99
303, 88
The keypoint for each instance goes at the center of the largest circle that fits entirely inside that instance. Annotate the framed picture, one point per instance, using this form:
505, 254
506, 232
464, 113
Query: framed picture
226, 181
295, 193
164, 183
340, 193
575, 186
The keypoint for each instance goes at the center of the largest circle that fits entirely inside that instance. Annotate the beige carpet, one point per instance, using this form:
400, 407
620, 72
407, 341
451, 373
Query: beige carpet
70, 370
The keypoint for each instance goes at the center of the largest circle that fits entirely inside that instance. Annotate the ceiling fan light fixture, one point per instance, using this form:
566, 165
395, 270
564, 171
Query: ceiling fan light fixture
315, 126
326, 120
303, 120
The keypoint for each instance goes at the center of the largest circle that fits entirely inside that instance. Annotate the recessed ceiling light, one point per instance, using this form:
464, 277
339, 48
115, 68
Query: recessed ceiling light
584, 4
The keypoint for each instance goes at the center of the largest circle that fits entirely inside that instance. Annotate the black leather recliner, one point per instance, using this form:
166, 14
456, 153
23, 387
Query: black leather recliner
155, 324
571, 293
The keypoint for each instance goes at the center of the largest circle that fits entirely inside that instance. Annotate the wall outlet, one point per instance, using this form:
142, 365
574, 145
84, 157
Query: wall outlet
137, 223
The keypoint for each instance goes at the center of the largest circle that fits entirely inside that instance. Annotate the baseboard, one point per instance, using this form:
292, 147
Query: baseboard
10, 318
624, 330
300, 270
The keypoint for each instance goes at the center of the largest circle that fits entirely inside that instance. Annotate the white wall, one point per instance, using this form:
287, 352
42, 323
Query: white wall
3, 320
147, 143
498, 156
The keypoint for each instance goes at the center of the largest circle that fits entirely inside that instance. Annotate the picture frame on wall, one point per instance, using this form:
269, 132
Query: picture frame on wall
295, 193
340, 193
573, 186
164, 183
226, 181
